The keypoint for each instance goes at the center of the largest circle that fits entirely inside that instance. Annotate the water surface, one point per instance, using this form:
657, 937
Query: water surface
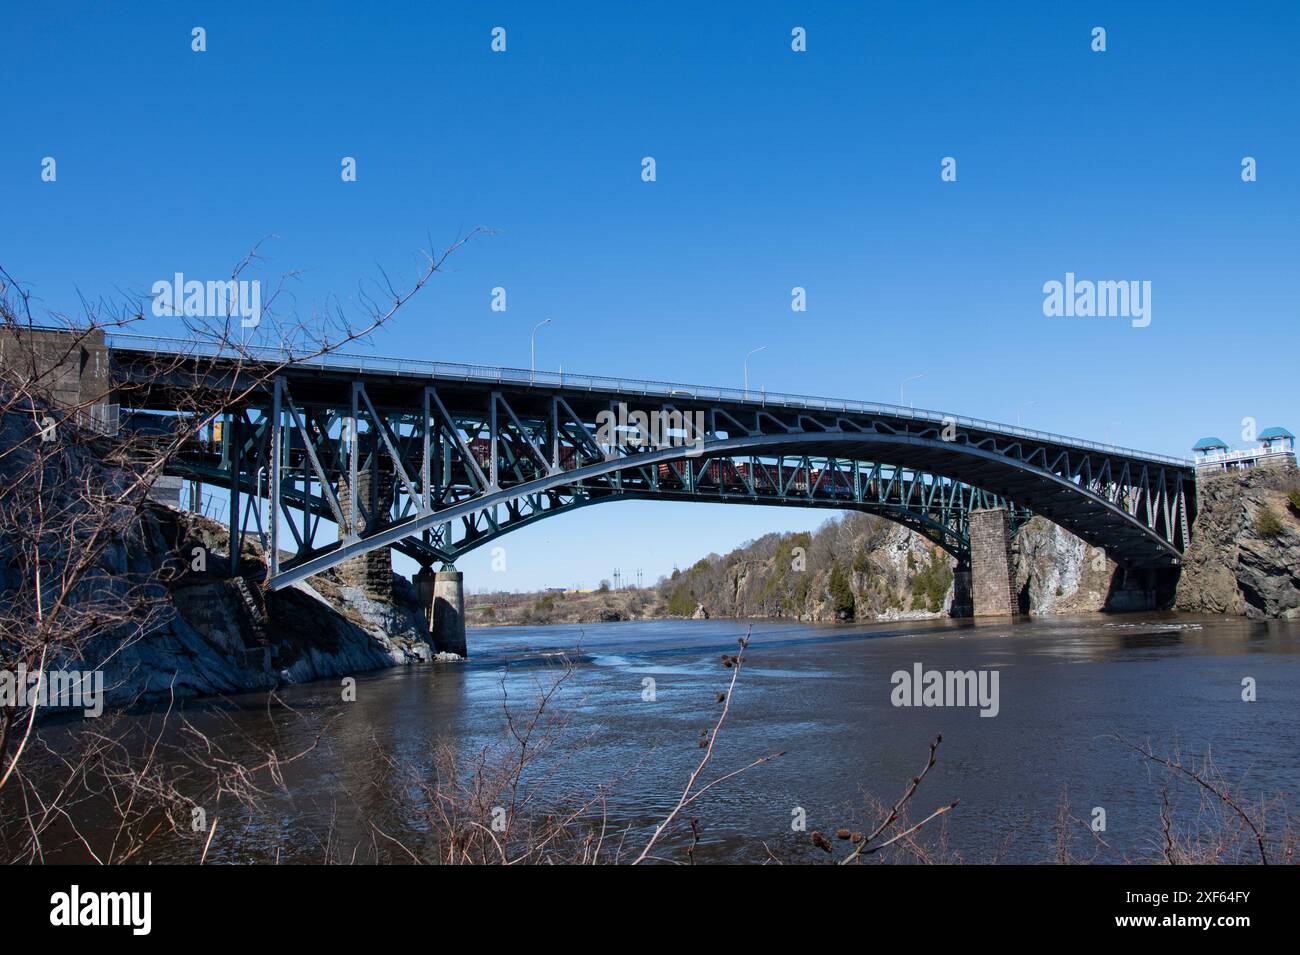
821, 694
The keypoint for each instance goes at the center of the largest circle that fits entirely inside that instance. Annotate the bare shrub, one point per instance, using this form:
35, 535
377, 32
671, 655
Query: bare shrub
74, 497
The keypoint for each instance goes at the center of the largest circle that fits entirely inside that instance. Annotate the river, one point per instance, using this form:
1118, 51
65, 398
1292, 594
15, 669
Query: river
640, 693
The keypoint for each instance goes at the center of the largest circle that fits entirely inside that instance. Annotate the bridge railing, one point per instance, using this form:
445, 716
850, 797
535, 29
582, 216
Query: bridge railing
1245, 454
459, 371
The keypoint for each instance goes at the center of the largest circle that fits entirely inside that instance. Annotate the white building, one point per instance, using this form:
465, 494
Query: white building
1276, 448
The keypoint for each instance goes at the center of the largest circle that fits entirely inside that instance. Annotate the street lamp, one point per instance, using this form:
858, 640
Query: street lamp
752, 351
532, 349
901, 399
1022, 408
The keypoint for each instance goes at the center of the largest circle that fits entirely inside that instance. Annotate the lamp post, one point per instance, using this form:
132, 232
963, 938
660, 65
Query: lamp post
903, 384
532, 350
1022, 408
752, 351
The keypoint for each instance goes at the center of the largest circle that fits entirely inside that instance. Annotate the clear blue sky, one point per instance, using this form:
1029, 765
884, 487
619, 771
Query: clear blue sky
775, 169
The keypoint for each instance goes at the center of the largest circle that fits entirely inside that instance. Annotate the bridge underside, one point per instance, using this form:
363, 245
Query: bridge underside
352, 463
448, 540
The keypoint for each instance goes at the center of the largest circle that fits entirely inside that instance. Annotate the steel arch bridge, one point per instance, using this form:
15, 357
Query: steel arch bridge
433, 459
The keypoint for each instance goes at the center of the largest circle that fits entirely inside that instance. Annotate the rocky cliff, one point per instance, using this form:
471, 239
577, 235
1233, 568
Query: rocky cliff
158, 611
1245, 551
853, 567
858, 567
1057, 573
215, 633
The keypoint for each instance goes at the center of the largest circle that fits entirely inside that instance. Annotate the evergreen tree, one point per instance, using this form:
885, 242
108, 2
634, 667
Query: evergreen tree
841, 592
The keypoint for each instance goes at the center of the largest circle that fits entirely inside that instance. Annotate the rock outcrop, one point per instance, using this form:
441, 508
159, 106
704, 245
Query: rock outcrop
210, 637
855, 567
1057, 573
858, 567
1245, 551
158, 611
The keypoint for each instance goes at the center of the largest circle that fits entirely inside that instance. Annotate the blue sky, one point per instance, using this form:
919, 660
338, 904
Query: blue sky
775, 169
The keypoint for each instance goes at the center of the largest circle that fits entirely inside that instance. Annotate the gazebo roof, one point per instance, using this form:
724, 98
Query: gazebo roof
1210, 444
1268, 434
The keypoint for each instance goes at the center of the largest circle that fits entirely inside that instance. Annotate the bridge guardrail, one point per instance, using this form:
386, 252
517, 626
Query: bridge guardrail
492, 374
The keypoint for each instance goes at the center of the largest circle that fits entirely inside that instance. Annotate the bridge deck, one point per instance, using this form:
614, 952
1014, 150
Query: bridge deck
424, 371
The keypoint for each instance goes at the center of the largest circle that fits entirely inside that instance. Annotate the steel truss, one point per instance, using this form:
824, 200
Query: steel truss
434, 469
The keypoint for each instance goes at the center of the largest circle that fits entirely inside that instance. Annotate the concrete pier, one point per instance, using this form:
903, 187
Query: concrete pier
992, 577
449, 612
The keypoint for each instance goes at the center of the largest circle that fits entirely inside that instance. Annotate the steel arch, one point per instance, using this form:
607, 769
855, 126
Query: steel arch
1056, 498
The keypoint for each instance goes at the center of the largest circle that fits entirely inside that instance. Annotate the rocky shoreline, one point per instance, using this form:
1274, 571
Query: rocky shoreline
217, 634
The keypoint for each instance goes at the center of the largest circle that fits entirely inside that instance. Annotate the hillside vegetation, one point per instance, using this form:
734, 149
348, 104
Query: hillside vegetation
854, 567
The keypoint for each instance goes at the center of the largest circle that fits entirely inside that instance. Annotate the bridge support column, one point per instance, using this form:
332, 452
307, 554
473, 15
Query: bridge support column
992, 579
963, 605
448, 612
422, 582
1134, 590
372, 571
